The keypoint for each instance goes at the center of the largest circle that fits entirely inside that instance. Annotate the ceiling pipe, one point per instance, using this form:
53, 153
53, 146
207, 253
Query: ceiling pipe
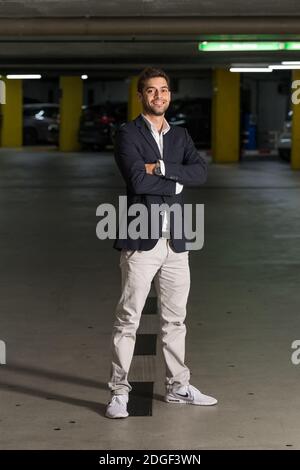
141, 26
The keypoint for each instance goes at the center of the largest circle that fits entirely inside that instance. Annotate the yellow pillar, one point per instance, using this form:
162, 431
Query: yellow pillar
71, 97
226, 116
134, 105
295, 150
11, 131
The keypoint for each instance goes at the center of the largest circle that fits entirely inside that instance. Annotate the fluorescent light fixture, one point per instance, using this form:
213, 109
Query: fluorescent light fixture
291, 62
232, 46
250, 69
32, 76
292, 46
240, 46
84, 77
284, 67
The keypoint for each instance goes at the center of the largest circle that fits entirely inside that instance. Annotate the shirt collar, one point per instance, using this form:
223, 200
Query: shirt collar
151, 126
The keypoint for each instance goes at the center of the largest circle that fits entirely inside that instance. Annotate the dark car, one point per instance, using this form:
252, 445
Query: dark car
195, 115
38, 121
120, 113
98, 124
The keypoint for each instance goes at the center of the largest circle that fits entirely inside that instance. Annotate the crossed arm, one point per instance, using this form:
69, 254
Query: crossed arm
140, 178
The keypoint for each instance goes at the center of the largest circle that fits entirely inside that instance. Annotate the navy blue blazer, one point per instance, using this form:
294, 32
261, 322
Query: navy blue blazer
136, 146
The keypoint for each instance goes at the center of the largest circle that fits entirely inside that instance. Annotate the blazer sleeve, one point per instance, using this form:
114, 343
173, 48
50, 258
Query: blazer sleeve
132, 167
192, 171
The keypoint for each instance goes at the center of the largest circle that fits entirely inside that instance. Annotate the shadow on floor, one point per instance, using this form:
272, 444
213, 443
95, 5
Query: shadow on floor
96, 407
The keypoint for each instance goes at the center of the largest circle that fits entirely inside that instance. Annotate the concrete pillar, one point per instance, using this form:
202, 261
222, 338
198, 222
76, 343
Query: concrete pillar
134, 105
71, 99
295, 149
226, 116
11, 120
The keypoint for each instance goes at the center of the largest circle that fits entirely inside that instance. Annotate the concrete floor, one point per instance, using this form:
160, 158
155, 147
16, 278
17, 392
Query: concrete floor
60, 284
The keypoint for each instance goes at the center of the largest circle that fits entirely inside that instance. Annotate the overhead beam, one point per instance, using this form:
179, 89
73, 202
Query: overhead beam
137, 26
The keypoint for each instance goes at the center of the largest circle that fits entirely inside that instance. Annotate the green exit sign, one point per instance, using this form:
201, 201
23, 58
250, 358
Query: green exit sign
232, 46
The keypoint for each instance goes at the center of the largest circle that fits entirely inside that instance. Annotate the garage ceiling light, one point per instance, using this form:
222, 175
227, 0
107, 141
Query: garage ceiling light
34, 76
292, 46
223, 46
240, 46
250, 69
291, 62
84, 77
284, 67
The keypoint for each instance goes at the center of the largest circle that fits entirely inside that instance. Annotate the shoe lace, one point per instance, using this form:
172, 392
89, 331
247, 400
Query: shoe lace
192, 390
188, 389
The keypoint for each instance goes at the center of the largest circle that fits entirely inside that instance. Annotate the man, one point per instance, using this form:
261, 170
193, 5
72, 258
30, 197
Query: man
156, 160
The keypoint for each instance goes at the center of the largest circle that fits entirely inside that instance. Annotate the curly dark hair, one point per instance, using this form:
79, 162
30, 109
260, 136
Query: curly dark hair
151, 72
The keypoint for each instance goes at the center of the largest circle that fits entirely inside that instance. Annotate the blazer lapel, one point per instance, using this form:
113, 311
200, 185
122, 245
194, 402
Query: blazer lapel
167, 144
147, 135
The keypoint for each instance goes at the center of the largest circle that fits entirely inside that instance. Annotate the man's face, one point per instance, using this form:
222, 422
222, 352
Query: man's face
156, 96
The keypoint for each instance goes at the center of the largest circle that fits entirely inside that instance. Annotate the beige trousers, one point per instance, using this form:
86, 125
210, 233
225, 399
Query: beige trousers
171, 274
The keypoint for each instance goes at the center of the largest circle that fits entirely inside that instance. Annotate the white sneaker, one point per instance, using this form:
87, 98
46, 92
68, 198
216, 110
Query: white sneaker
117, 407
189, 395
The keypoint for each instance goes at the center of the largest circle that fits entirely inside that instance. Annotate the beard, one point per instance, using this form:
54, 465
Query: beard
153, 110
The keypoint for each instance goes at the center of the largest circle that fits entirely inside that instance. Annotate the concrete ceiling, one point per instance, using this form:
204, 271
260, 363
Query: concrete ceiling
126, 57
80, 8
119, 37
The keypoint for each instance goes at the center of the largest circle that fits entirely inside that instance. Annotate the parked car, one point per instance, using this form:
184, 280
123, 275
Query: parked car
195, 115
38, 119
98, 124
120, 111
285, 139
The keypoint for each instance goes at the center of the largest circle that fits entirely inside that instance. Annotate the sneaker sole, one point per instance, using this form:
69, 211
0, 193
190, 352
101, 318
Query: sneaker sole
119, 416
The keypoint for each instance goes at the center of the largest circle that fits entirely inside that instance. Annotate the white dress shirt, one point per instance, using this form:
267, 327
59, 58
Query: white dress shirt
158, 137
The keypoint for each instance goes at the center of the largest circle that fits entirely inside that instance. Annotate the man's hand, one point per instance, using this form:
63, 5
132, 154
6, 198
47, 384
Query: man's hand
150, 168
